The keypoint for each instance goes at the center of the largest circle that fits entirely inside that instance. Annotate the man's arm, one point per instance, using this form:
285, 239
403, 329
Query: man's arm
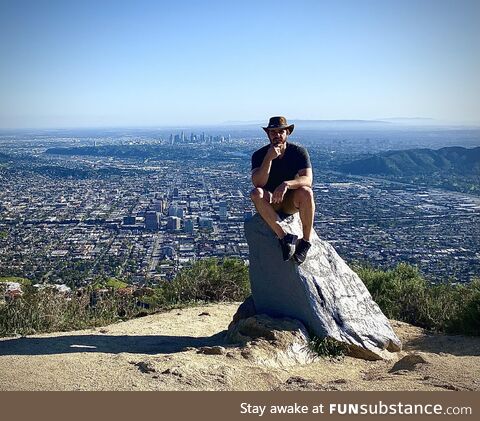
260, 174
304, 178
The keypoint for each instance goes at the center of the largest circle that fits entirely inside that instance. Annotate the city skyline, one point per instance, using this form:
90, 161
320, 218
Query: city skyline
117, 64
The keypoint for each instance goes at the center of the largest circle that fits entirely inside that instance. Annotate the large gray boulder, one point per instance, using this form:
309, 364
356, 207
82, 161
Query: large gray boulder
323, 293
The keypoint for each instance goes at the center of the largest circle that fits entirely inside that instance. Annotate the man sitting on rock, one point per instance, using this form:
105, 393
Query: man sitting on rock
282, 176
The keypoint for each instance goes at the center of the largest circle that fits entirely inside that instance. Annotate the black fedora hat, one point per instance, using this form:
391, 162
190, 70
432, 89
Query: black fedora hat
279, 122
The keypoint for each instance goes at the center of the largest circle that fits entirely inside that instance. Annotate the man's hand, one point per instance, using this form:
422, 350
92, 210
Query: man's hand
274, 151
279, 193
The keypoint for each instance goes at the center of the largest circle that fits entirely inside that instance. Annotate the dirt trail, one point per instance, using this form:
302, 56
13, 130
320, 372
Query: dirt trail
160, 352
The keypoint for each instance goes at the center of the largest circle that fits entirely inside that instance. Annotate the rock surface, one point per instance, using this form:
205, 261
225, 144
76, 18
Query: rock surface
410, 362
323, 293
272, 342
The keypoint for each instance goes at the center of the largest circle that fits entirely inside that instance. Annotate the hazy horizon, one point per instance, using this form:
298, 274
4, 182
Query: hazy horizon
403, 123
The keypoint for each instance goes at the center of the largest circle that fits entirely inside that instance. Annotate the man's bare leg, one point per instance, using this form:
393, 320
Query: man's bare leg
261, 200
303, 201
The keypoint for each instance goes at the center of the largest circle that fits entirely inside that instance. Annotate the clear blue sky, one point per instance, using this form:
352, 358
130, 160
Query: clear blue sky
150, 63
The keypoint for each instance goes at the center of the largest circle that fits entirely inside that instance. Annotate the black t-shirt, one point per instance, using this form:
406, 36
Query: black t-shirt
286, 168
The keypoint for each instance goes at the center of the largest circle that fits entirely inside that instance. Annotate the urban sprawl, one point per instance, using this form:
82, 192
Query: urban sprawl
142, 220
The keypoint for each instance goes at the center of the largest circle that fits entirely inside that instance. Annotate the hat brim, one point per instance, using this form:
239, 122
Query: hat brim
289, 127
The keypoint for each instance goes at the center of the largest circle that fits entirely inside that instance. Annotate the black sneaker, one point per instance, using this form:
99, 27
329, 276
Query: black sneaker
301, 251
287, 244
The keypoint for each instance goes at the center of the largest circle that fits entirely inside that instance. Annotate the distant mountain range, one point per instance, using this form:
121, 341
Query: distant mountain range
316, 123
403, 121
453, 160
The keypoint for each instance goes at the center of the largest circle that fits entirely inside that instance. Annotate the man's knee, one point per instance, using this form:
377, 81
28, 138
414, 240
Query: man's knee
304, 196
257, 194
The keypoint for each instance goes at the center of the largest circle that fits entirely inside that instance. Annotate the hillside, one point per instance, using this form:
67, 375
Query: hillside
160, 352
452, 160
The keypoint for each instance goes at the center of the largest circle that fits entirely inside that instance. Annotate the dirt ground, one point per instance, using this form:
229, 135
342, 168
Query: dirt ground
161, 352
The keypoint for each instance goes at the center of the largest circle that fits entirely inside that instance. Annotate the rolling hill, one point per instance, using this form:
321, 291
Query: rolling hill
451, 160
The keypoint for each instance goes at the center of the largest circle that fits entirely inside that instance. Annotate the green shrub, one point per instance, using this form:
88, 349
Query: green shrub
403, 294
327, 347
467, 319
210, 280
400, 292
46, 310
